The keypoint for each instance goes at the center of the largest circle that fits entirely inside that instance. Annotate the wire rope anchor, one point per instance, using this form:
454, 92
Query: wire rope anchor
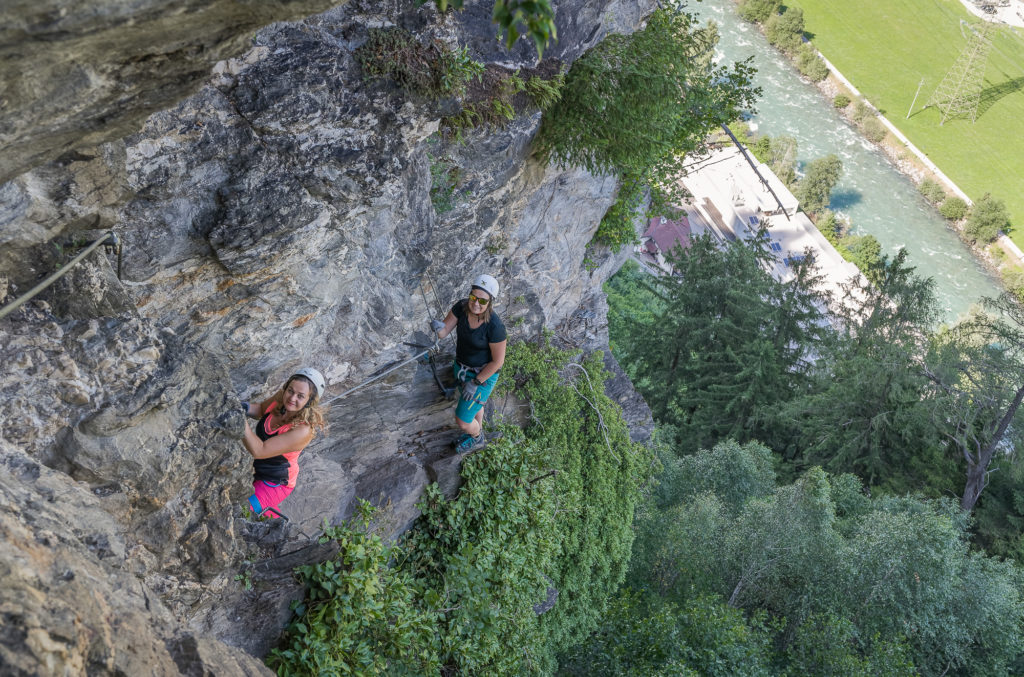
109, 239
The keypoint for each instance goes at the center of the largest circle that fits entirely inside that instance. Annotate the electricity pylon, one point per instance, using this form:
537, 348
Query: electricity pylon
960, 90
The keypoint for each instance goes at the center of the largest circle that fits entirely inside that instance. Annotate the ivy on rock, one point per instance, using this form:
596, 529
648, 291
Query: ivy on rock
550, 504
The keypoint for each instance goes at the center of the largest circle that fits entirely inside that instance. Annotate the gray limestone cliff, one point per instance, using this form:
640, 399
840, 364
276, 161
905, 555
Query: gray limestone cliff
274, 208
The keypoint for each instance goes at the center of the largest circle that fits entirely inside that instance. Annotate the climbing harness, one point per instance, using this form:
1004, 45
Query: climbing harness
109, 239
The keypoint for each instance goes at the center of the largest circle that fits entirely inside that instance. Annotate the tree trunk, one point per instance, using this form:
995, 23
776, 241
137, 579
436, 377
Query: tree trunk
975, 483
976, 472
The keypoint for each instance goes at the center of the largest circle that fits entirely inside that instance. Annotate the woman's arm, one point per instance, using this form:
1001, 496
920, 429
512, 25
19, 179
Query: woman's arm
261, 408
449, 323
497, 359
295, 439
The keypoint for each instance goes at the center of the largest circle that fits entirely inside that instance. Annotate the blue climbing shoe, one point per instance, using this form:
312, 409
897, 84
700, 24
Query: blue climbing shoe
468, 443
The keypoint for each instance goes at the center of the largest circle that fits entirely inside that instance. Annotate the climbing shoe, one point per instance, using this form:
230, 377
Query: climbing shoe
469, 443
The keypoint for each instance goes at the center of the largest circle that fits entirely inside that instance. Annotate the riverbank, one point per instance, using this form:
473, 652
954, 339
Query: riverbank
900, 54
1003, 259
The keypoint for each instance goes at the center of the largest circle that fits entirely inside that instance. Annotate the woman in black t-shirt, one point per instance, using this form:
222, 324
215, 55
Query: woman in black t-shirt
479, 354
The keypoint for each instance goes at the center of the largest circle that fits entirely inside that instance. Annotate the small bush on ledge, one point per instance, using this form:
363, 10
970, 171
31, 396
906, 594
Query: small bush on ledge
548, 505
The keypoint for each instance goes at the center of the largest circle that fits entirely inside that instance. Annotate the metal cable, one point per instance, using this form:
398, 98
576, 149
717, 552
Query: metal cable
380, 375
109, 238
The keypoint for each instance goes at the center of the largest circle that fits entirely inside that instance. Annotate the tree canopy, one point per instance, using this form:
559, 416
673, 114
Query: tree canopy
814, 190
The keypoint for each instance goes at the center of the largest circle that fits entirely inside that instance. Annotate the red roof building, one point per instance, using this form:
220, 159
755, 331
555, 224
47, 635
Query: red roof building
662, 236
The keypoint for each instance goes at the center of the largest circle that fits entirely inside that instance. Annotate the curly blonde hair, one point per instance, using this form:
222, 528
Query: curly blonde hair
312, 414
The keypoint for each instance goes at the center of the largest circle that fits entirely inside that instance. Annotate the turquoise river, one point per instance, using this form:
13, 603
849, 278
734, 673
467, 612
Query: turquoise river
877, 198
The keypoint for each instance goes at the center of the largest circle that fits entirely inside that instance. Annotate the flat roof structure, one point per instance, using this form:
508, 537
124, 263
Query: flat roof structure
732, 200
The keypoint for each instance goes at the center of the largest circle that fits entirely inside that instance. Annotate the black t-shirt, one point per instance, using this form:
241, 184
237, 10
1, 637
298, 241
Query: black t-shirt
472, 348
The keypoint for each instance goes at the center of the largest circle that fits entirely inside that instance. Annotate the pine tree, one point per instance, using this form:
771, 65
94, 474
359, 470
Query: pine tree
729, 343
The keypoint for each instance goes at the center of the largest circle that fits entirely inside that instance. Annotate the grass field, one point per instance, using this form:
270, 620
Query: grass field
885, 47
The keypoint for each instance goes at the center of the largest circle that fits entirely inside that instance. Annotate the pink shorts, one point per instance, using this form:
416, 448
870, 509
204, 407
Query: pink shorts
267, 495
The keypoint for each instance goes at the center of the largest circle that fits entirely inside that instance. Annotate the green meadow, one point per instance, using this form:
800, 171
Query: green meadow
885, 47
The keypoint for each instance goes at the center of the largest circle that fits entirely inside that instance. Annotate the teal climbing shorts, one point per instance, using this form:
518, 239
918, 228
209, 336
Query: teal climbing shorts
468, 408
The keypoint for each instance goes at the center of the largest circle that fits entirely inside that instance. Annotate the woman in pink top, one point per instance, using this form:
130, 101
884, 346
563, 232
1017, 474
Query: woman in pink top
287, 422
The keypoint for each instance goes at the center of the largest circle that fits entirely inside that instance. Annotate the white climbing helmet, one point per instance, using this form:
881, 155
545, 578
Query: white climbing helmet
314, 377
488, 284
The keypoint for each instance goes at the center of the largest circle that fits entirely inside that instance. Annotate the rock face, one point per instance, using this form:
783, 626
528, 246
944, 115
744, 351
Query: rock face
280, 216
74, 76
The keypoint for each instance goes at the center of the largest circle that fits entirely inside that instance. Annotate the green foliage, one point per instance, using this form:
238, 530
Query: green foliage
651, 637
953, 208
932, 191
360, 615
534, 18
978, 370
866, 253
598, 486
786, 30
455, 70
495, 107
779, 153
630, 301
617, 225
815, 188
758, 11
869, 412
548, 506
873, 129
1013, 279
444, 177
432, 70
841, 101
545, 93
999, 513
638, 102
863, 251
988, 216
810, 64
482, 560
729, 340
824, 646
860, 110
856, 585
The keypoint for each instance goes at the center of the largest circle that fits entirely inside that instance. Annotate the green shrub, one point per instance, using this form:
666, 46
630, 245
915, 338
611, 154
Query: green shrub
860, 110
360, 615
786, 30
758, 11
545, 93
549, 505
636, 102
432, 70
866, 254
932, 191
986, 219
841, 101
814, 190
810, 64
953, 208
873, 129
444, 177
618, 225
706, 637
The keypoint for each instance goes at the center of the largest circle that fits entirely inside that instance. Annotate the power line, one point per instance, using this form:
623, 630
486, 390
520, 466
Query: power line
959, 93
